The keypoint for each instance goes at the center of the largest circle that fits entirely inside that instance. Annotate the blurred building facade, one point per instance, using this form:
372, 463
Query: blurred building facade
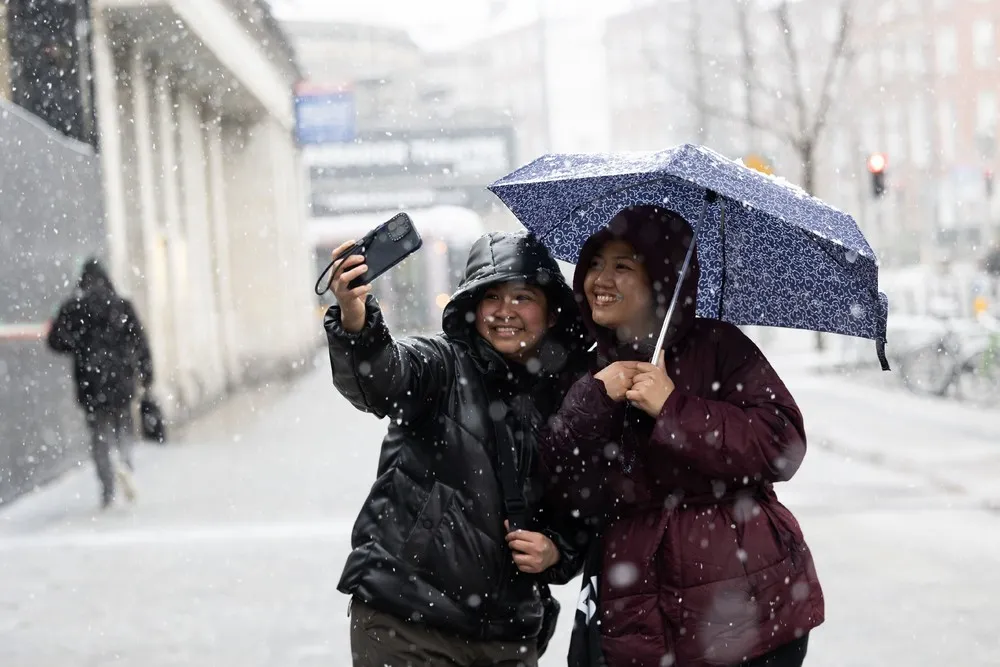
717, 72
175, 119
408, 138
919, 85
203, 187
541, 69
931, 71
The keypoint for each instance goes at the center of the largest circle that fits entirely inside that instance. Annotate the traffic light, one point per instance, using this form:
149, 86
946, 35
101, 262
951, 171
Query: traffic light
877, 162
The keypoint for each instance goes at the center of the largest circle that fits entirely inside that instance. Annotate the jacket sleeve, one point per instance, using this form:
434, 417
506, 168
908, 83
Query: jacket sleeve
577, 445
60, 337
380, 375
752, 429
571, 535
140, 345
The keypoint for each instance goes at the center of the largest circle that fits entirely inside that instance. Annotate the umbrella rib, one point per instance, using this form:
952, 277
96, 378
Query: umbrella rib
841, 261
710, 197
722, 245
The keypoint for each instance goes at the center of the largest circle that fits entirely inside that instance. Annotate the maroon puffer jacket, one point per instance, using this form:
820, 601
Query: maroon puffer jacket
701, 561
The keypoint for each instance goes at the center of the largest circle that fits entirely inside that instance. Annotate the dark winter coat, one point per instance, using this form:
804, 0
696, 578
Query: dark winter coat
102, 331
429, 543
701, 562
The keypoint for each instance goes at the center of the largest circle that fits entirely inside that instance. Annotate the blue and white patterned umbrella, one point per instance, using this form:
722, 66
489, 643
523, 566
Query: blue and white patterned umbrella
770, 254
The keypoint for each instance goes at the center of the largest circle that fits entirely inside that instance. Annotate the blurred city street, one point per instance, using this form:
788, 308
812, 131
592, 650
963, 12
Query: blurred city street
232, 553
177, 175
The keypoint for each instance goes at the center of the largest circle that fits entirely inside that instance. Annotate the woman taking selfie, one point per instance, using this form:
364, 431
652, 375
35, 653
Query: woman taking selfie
455, 546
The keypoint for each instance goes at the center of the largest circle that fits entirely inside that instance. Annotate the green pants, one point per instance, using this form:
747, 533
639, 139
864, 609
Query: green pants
383, 640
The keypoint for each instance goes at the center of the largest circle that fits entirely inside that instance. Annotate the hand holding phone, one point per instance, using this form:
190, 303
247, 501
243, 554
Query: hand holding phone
381, 249
350, 299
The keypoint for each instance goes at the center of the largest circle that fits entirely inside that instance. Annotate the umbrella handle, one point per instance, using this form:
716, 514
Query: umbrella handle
710, 197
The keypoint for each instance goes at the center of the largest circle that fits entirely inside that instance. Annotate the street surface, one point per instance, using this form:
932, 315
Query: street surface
232, 554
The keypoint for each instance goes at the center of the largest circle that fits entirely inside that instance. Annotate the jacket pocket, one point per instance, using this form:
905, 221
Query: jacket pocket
460, 548
389, 514
418, 543
450, 553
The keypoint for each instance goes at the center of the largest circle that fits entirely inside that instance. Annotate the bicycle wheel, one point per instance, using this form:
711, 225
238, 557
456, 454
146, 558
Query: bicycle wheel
928, 370
979, 381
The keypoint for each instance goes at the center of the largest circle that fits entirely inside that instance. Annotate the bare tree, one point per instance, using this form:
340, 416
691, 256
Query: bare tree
807, 118
811, 120
748, 61
700, 97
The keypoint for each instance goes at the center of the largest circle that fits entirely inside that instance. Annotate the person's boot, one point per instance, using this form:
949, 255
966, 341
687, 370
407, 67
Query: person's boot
107, 498
128, 484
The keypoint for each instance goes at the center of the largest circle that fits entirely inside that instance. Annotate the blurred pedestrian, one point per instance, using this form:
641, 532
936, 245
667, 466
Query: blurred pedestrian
102, 332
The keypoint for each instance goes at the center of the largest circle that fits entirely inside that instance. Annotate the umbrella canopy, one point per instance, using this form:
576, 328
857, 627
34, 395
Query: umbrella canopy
770, 254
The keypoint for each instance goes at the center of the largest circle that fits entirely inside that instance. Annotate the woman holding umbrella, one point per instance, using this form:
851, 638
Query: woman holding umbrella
701, 564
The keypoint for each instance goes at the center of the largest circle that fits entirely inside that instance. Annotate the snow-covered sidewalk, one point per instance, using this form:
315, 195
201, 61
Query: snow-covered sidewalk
868, 415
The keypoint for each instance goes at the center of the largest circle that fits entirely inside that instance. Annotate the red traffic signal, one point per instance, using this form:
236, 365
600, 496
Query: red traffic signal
877, 162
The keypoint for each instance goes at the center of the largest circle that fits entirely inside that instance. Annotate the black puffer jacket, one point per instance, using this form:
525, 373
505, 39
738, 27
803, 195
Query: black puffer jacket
429, 542
102, 331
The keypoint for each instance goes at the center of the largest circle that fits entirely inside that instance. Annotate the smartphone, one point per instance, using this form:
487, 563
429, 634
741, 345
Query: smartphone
383, 248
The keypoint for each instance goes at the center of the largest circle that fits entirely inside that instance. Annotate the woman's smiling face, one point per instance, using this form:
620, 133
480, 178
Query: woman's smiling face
618, 290
513, 317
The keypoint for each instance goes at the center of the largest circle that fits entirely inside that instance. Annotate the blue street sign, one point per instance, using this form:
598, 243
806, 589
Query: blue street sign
324, 117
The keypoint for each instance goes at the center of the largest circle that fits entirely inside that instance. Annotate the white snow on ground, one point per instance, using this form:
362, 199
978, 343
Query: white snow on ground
232, 555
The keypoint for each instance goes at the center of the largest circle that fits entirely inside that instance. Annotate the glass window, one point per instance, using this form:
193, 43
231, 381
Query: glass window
986, 112
864, 66
886, 11
919, 144
983, 49
895, 140
946, 127
915, 56
831, 23
869, 135
888, 62
947, 50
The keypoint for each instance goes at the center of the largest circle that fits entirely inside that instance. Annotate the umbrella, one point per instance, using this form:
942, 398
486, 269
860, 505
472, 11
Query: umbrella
770, 254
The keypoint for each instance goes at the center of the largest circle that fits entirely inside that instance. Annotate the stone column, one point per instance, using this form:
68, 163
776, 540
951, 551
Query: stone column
223, 279
202, 324
181, 361
153, 243
110, 147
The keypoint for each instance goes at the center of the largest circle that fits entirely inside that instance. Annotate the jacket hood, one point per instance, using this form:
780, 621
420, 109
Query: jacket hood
94, 277
661, 239
499, 257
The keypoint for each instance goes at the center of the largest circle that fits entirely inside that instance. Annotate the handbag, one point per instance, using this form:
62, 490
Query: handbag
151, 418
585, 641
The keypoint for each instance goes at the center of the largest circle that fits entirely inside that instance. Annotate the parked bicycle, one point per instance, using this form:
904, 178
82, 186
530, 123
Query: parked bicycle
962, 362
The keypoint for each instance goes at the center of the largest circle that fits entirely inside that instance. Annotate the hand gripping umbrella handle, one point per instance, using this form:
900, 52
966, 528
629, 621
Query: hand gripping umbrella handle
710, 197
